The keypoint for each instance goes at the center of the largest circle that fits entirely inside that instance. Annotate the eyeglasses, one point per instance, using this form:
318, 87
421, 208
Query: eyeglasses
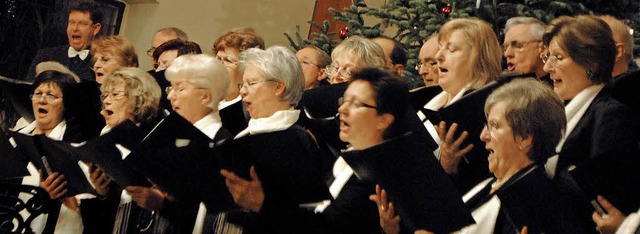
49, 98
428, 65
81, 23
490, 127
353, 104
115, 95
227, 62
252, 83
346, 72
178, 89
150, 51
516, 45
549, 58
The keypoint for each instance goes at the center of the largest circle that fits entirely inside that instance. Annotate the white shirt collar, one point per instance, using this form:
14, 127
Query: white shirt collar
210, 124
56, 134
280, 120
223, 104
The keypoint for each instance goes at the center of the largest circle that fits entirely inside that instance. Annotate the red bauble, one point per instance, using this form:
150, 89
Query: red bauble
446, 10
343, 33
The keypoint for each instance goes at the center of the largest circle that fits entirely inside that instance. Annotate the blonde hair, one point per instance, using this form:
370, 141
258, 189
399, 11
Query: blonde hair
364, 50
486, 53
142, 89
119, 46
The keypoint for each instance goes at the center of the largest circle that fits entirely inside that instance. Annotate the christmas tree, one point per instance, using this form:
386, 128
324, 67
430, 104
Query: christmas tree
412, 21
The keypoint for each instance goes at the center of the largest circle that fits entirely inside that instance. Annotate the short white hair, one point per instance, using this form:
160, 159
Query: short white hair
537, 26
203, 71
280, 64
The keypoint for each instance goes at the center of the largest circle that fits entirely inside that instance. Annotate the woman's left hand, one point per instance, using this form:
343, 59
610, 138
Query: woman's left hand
247, 194
389, 221
450, 152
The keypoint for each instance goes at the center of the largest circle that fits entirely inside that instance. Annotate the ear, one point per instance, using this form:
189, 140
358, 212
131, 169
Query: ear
280, 87
621, 51
540, 47
399, 69
385, 121
206, 97
97, 29
524, 143
322, 74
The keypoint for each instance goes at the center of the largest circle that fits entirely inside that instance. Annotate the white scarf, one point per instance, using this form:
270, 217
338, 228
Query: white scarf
574, 111
279, 121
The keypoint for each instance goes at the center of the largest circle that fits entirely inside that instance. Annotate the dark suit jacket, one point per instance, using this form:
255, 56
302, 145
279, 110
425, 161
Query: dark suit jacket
603, 148
625, 90
350, 212
82, 68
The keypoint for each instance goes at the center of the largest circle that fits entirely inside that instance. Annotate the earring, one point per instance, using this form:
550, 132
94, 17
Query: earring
590, 74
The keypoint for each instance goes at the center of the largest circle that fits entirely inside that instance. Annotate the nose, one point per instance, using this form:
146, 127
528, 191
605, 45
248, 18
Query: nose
171, 96
343, 109
243, 90
440, 55
508, 52
548, 67
484, 135
423, 71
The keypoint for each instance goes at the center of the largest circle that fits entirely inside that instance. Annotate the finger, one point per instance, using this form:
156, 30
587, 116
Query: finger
253, 174
460, 139
524, 230
51, 178
59, 189
383, 200
465, 150
57, 181
392, 211
451, 132
597, 219
373, 198
441, 129
606, 204
133, 189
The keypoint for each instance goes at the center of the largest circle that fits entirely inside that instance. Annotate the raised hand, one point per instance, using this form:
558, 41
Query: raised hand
247, 194
450, 152
389, 221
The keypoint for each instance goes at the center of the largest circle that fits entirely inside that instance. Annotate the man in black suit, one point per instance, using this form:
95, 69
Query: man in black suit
84, 24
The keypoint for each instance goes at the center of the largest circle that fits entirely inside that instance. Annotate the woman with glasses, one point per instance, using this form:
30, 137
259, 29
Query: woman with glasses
198, 83
369, 108
53, 98
525, 119
599, 145
128, 94
111, 53
227, 49
353, 53
468, 58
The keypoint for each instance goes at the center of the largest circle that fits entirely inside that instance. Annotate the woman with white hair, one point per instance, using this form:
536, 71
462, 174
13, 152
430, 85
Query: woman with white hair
198, 84
273, 83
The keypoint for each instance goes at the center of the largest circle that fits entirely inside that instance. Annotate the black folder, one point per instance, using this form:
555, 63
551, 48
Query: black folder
13, 165
104, 152
420, 96
615, 177
423, 194
287, 163
55, 156
178, 157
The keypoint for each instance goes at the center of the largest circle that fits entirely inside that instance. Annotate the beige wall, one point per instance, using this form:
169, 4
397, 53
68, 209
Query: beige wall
206, 20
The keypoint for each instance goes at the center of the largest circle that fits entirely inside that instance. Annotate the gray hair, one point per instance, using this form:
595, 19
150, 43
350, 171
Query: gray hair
537, 26
323, 58
279, 64
532, 109
363, 49
142, 89
203, 71
176, 31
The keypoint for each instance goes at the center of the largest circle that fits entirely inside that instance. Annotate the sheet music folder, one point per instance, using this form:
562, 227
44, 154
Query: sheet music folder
419, 188
283, 161
178, 157
104, 152
51, 156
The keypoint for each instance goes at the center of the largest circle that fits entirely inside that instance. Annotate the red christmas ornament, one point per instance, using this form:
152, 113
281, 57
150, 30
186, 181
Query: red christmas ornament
446, 10
343, 33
